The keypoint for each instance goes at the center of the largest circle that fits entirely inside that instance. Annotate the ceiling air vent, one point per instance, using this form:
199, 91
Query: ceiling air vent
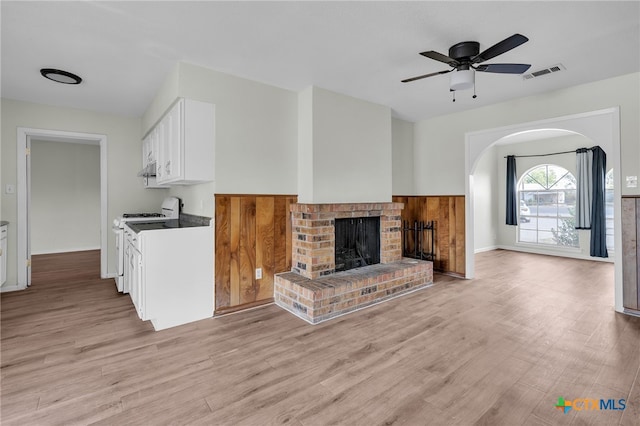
544, 71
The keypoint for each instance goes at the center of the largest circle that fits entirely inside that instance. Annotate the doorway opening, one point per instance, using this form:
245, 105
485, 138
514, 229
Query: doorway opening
602, 127
24, 140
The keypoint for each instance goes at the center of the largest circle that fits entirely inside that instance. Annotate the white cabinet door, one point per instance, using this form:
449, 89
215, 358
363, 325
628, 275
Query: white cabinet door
184, 150
163, 152
146, 142
137, 283
173, 131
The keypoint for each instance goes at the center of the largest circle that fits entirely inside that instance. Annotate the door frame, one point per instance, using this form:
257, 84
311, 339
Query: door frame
23, 142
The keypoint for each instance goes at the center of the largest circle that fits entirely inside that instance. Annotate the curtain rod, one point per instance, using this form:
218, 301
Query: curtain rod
553, 153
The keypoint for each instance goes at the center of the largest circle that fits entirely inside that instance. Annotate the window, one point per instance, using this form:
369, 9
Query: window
608, 193
547, 195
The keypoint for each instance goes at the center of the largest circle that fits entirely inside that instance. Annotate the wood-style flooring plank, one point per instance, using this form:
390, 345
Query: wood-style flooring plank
496, 350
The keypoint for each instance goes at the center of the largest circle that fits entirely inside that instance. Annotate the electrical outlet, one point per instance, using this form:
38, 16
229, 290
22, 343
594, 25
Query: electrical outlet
632, 181
258, 273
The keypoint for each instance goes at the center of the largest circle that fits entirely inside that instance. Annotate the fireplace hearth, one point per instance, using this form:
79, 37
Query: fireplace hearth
346, 257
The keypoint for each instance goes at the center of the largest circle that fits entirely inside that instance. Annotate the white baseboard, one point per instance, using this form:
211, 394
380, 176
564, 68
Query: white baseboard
8, 288
567, 253
69, 250
483, 249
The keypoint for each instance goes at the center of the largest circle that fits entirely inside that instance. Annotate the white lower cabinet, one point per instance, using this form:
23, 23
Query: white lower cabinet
171, 275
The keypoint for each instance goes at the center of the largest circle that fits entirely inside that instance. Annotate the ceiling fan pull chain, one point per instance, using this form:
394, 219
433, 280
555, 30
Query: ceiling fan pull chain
474, 91
454, 95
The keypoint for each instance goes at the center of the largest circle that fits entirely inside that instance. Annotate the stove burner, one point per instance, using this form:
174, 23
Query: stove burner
142, 215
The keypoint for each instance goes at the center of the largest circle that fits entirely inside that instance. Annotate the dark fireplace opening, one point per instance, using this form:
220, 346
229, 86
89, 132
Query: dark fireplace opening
357, 242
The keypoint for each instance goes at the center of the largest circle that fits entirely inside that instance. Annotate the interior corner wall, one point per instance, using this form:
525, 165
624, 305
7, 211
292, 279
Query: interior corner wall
65, 197
255, 137
440, 141
165, 95
124, 160
402, 157
351, 153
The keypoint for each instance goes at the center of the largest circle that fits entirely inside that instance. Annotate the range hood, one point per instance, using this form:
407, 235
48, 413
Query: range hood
149, 171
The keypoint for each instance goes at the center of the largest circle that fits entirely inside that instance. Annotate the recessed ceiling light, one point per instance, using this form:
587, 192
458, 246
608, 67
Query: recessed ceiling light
60, 76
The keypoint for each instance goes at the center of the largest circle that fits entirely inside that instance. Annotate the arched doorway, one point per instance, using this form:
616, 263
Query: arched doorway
601, 126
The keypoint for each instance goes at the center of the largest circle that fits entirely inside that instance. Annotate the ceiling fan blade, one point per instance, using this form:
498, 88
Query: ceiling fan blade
499, 48
425, 76
440, 57
504, 68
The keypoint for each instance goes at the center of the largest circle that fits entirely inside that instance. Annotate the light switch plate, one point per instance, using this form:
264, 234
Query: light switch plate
632, 181
258, 273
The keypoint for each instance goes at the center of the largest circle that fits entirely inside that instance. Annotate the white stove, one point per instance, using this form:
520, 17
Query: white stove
170, 210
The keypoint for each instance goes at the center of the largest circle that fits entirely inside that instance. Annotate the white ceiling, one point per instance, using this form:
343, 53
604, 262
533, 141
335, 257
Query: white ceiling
124, 50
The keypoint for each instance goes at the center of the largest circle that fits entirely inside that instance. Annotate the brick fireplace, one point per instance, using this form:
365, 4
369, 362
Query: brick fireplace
315, 292
313, 227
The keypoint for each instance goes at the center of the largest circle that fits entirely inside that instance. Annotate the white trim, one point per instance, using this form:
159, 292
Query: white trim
24, 134
566, 252
484, 249
601, 126
72, 250
9, 288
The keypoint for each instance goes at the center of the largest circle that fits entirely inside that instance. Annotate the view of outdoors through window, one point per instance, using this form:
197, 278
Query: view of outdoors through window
609, 206
547, 195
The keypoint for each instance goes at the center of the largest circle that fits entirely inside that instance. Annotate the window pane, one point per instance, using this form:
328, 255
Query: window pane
528, 203
547, 206
528, 236
528, 222
567, 182
547, 224
546, 237
609, 192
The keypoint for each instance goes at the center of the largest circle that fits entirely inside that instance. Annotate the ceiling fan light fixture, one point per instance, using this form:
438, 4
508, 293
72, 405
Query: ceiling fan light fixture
462, 79
60, 76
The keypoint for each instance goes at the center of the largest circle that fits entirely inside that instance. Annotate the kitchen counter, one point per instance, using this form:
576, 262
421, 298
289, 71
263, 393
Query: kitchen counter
185, 221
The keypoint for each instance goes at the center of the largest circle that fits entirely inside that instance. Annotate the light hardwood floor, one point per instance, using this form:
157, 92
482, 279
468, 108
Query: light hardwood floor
496, 350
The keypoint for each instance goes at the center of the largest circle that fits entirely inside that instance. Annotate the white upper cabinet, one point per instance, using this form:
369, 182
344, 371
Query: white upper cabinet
183, 143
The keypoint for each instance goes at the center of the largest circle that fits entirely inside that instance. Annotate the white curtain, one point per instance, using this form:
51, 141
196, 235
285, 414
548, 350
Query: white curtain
584, 188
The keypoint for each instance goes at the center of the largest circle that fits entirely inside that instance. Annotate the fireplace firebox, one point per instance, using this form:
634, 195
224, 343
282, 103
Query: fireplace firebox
357, 242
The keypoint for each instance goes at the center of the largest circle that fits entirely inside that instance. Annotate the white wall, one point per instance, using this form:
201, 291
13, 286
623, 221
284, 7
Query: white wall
485, 208
65, 197
256, 134
351, 152
402, 157
125, 190
305, 144
440, 142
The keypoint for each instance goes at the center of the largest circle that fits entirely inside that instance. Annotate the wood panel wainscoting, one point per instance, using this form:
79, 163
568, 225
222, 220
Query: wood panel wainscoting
252, 231
447, 213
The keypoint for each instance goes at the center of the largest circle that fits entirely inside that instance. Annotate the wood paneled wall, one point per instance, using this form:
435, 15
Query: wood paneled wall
252, 231
447, 212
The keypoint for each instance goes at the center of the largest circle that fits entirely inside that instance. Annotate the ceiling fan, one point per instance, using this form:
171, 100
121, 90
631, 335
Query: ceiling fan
464, 56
